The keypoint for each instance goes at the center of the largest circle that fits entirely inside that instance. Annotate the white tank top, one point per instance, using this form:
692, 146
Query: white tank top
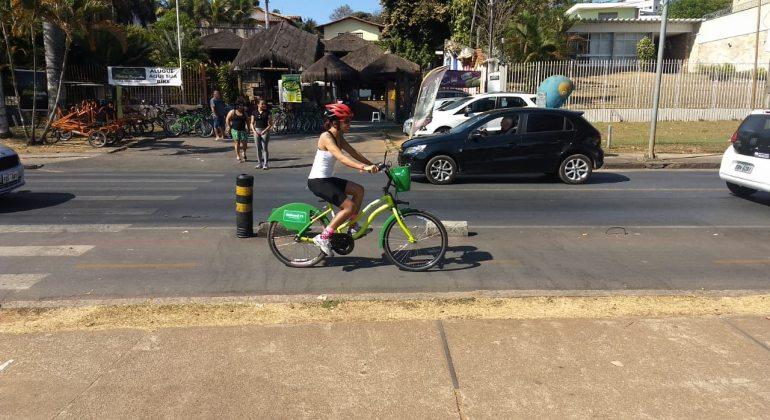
324, 163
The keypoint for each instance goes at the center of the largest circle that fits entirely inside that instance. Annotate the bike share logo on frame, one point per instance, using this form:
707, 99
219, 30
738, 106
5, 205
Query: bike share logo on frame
295, 216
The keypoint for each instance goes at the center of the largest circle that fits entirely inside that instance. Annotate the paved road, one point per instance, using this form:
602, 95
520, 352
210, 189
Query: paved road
158, 221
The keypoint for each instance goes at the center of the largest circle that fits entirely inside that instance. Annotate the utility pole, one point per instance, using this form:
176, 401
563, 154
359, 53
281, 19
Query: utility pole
658, 77
267, 20
473, 23
489, 56
755, 75
179, 49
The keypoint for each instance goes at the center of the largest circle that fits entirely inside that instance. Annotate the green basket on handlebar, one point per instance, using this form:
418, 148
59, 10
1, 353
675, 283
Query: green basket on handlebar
402, 178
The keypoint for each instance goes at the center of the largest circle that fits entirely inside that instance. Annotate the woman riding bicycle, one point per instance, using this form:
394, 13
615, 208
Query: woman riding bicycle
346, 195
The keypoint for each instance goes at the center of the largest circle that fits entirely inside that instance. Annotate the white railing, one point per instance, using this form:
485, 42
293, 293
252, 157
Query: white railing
628, 84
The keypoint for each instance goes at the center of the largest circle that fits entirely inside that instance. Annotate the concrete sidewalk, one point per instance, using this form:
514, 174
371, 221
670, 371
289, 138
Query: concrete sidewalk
706, 367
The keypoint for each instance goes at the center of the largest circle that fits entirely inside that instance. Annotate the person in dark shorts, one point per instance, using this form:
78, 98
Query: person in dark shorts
218, 114
325, 185
261, 123
236, 124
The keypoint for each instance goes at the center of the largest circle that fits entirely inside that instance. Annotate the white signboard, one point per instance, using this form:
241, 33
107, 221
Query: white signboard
542, 99
144, 76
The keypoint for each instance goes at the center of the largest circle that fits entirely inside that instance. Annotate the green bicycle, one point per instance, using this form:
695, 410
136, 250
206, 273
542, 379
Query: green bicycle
413, 240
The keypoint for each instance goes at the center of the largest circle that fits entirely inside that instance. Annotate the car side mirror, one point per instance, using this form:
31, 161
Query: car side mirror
475, 135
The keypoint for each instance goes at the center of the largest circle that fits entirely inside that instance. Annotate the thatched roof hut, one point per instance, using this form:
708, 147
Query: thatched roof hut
222, 40
364, 56
345, 43
329, 68
281, 45
388, 66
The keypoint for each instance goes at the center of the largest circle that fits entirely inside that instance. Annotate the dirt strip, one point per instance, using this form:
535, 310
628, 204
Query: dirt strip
151, 316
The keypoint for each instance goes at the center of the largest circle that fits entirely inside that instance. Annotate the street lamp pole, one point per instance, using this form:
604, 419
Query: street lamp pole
489, 56
658, 78
179, 49
267, 21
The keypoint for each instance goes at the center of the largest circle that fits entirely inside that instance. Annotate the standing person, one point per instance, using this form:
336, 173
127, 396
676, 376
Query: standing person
261, 123
325, 185
235, 123
217, 106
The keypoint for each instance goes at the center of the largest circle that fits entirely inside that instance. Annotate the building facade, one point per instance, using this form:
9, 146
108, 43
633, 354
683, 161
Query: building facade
369, 31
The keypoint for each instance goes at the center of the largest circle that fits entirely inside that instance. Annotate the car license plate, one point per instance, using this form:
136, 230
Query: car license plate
762, 155
744, 167
10, 177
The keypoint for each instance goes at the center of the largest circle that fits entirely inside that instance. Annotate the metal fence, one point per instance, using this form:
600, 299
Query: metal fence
628, 84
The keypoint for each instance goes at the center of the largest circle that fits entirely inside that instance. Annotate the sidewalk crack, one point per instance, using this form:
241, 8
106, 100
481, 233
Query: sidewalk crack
745, 334
451, 368
109, 368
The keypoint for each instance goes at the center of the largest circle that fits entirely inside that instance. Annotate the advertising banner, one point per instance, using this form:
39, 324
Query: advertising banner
461, 79
27, 82
290, 88
426, 98
144, 76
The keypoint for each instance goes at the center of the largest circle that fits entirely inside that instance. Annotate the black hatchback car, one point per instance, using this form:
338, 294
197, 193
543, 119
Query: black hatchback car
522, 140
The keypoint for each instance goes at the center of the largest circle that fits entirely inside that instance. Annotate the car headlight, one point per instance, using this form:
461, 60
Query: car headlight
414, 149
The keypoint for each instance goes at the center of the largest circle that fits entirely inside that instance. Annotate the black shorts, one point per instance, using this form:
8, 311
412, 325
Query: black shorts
329, 189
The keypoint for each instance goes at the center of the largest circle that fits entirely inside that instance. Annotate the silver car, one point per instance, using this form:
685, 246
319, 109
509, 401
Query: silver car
11, 170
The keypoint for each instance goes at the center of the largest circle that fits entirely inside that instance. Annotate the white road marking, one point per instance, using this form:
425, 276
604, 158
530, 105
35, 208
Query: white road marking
5, 365
471, 227
101, 212
127, 197
121, 188
125, 181
20, 281
62, 228
45, 251
577, 189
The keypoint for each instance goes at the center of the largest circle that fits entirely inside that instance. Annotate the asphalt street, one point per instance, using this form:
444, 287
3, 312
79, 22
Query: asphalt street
158, 221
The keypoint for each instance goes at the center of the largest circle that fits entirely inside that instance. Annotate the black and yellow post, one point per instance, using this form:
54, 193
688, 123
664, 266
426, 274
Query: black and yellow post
243, 198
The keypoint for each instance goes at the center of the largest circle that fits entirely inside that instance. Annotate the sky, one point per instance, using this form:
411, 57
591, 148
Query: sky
319, 10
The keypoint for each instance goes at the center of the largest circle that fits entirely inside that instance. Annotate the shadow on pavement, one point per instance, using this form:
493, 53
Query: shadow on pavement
26, 201
596, 178
457, 258
759, 198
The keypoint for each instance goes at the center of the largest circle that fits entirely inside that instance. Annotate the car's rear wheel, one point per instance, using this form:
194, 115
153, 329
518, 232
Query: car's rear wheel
575, 169
441, 170
740, 190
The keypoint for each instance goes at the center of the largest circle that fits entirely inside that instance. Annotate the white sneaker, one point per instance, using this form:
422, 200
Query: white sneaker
324, 244
357, 228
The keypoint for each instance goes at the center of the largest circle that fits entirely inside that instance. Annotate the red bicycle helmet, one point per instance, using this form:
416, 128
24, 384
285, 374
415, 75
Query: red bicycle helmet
341, 111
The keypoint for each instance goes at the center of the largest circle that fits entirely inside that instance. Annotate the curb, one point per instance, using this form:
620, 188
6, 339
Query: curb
426, 296
662, 165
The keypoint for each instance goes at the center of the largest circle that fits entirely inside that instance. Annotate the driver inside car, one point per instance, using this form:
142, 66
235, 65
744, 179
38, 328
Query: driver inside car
506, 126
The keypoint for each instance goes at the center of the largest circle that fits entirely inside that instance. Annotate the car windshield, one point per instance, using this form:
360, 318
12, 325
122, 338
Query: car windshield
454, 104
467, 123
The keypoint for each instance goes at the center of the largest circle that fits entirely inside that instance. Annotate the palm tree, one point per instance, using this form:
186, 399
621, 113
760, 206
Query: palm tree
240, 11
536, 41
64, 19
5, 130
25, 17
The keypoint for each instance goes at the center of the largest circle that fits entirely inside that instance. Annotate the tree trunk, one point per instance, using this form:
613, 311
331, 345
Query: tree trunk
5, 131
58, 90
15, 85
53, 41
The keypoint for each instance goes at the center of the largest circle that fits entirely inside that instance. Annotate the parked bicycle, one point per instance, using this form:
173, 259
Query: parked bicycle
198, 120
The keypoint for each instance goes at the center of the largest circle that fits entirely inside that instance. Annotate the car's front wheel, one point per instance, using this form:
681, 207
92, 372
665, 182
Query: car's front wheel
441, 170
575, 169
740, 190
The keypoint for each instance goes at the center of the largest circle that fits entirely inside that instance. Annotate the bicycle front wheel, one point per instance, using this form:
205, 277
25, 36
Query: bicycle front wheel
294, 251
429, 246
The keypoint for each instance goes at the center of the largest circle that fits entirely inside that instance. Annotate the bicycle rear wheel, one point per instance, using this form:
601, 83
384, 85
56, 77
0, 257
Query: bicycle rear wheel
429, 246
292, 251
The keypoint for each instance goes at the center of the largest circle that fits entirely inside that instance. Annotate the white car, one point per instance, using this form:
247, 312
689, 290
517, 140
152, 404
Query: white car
11, 170
746, 163
451, 114
442, 97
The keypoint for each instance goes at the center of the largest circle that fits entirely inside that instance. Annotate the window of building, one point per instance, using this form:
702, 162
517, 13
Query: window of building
358, 34
608, 15
625, 45
600, 46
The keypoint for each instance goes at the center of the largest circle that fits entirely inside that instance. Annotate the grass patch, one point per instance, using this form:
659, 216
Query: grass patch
672, 137
151, 316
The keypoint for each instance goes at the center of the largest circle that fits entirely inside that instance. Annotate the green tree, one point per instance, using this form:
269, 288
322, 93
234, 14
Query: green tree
163, 38
309, 25
341, 12
415, 29
680, 9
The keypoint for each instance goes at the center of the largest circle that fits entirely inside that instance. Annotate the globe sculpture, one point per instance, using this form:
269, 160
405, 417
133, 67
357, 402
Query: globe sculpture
557, 89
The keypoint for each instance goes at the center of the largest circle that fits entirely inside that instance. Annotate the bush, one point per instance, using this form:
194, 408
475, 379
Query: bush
718, 71
645, 49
